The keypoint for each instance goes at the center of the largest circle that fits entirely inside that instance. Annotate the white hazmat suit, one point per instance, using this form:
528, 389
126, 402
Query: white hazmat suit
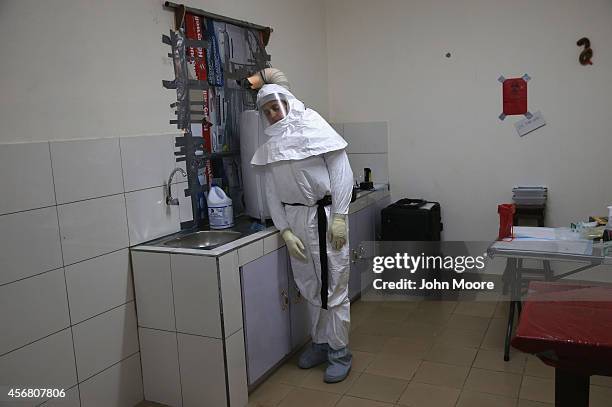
304, 161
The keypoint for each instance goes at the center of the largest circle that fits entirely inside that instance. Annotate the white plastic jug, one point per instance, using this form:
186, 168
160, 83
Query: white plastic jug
220, 211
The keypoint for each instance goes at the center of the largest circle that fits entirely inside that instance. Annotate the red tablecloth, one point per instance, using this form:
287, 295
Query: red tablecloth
568, 326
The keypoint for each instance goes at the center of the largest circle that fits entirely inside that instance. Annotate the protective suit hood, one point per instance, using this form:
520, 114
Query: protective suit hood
301, 134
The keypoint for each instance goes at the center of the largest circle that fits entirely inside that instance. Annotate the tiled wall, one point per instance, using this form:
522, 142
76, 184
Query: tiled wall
185, 351
69, 210
367, 148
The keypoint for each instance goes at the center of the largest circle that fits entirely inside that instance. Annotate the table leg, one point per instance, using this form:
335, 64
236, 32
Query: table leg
506, 279
571, 389
509, 332
548, 273
515, 288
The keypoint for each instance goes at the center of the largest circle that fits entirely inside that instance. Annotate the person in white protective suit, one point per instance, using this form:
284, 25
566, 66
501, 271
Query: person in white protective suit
308, 183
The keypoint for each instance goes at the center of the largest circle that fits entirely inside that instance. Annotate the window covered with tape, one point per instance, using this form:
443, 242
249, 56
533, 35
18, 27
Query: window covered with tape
210, 56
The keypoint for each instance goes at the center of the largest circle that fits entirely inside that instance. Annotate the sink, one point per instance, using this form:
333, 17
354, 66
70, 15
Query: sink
204, 239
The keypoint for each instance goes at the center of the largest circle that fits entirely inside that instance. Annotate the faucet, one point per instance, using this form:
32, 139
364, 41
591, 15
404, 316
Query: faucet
169, 199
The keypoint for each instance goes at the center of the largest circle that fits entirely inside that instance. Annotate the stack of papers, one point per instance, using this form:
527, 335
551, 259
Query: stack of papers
529, 195
548, 240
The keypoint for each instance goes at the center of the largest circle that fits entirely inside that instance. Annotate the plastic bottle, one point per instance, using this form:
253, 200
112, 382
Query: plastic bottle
220, 210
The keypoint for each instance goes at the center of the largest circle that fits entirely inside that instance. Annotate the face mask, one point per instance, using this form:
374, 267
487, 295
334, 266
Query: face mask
273, 108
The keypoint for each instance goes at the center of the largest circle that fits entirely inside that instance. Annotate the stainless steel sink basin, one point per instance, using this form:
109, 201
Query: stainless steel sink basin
205, 239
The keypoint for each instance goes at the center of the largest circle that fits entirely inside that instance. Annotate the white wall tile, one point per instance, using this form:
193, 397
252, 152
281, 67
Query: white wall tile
185, 207
147, 161
92, 228
202, 371
272, 243
46, 363
118, 386
160, 367
26, 181
104, 340
368, 137
153, 286
231, 293
148, 215
196, 299
84, 169
178, 177
29, 244
378, 163
236, 370
33, 308
99, 284
182, 164
250, 252
70, 400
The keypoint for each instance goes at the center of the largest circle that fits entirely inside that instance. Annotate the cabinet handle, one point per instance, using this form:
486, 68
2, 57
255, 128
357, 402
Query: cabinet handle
358, 254
285, 303
298, 295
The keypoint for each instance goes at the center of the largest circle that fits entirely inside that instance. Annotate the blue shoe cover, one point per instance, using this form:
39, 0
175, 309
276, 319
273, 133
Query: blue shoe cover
313, 356
339, 365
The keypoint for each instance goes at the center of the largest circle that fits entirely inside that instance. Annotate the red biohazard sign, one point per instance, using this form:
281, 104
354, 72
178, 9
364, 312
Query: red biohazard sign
515, 96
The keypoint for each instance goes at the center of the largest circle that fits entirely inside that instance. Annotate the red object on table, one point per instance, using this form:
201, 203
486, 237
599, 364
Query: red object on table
568, 326
506, 220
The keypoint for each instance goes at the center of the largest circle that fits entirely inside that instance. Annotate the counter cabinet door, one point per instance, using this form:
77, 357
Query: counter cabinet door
300, 321
265, 299
367, 249
356, 232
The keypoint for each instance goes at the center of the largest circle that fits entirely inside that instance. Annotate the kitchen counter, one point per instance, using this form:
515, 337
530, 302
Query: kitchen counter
202, 308
243, 225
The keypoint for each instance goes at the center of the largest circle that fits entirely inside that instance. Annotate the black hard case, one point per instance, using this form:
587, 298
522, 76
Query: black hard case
411, 220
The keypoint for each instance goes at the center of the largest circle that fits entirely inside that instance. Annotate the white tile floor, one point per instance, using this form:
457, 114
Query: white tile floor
424, 354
